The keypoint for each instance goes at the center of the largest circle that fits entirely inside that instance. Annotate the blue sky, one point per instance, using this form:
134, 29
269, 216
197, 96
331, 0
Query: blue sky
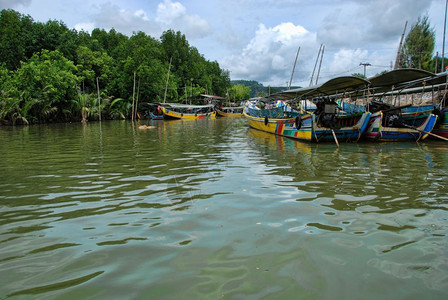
258, 40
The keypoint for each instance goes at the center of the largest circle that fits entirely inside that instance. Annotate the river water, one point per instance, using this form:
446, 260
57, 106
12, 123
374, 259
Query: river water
214, 210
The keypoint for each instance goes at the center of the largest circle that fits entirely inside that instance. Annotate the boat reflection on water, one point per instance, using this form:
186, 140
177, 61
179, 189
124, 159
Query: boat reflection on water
278, 142
356, 175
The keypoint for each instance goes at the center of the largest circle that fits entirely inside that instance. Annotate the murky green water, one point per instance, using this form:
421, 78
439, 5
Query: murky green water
213, 209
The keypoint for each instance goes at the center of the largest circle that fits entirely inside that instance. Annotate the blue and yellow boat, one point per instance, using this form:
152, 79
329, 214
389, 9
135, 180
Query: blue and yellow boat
327, 122
308, 127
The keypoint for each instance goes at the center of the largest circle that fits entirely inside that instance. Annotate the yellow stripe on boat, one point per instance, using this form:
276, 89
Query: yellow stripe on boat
176, 115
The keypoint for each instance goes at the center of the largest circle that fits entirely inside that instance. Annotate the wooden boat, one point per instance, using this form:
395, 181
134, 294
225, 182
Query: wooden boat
188, 112
313, 127
400, 123
326, 123
155, 116
230, 111
389, 123
387, 128
441, 127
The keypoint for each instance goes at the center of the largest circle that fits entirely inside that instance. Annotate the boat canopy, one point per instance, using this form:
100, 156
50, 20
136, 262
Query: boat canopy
440, 78
333, 86
399, 79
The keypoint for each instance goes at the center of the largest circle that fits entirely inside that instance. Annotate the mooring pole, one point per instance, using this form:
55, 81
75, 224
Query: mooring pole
315, 65
320, 63
398, 58
443, 45
293, 68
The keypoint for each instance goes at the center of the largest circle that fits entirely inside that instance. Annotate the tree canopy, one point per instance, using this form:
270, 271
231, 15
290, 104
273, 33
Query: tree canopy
49, 73
418, 48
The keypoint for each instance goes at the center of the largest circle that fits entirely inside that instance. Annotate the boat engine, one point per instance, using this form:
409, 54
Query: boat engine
326, 112
394, 120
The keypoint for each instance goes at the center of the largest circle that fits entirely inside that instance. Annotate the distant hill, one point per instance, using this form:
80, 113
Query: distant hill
258, 89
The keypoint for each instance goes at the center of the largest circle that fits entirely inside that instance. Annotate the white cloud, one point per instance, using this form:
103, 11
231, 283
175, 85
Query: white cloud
351, 30
173, 15
124, 20
88, 27
169, 15
346, 60
5, 4
141, 14
168, 12
270, 55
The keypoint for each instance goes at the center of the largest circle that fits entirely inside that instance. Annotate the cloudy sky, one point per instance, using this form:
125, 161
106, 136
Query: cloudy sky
258, 39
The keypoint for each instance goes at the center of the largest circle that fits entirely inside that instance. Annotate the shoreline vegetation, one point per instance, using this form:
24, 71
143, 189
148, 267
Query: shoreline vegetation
50, 73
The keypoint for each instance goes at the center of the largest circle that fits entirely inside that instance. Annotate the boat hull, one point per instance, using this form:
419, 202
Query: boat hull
442, 128
377, 132
309, 129
156, 117
169, 113
221, 113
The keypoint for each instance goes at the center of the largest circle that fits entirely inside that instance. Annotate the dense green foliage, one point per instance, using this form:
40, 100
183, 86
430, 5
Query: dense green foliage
49, 73
257, 89
418, 47
239, 92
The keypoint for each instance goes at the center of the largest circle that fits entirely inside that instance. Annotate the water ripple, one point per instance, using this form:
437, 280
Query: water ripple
110, 211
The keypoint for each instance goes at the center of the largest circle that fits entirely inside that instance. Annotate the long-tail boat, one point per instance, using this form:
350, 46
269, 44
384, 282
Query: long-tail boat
400, 122
326, 123
390, 124
187, 111
230, 111
205, 110
441, 127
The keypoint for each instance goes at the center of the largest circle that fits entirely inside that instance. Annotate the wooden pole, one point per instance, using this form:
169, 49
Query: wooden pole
136, 101
320, 64
133, 99
99, 100
443, 45
398, 58
335, 138
167, 78
427, 132
293, 68
437, 60
317, 59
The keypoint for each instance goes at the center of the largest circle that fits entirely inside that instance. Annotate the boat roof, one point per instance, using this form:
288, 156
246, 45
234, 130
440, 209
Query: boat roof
333, 86
178, 105
440, 78
398, 79
398, 76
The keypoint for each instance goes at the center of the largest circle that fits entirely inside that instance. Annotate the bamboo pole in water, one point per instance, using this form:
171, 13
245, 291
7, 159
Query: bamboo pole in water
427, 132
335, 138
99, 100
136, 101
133, 97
